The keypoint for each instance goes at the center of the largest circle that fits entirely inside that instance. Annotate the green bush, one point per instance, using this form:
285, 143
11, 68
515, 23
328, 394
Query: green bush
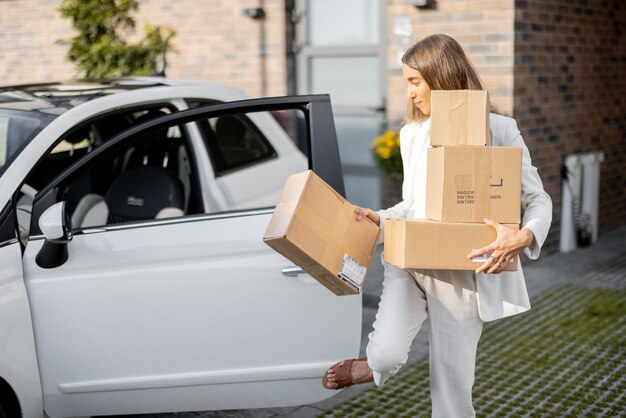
99, 50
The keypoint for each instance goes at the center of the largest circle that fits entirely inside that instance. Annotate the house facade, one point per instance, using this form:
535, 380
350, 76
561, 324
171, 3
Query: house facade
558, 67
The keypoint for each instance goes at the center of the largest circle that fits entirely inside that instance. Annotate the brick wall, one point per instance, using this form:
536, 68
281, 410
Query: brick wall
214, 41
484, 29
557, 66
570, 84
28, 52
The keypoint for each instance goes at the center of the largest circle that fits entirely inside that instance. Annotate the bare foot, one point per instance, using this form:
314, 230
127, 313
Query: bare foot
359, 373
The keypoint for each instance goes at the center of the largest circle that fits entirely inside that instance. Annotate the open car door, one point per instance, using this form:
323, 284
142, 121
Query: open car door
185, 313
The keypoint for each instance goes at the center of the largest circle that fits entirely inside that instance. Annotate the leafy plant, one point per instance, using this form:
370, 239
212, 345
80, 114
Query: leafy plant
386, 149
100, 49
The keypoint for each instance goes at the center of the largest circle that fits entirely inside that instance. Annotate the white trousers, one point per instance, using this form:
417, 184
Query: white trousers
448, 299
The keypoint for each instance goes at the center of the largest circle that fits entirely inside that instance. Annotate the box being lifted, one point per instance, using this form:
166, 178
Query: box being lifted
426, 244
459, 117
316, 228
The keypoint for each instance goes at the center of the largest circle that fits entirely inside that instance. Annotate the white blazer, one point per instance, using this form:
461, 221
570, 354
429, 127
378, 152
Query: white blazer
504, 294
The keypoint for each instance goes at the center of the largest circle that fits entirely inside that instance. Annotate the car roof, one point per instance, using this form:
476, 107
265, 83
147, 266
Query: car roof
71, 93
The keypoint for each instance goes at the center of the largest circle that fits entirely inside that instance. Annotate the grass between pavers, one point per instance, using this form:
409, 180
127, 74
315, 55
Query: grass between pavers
566, 357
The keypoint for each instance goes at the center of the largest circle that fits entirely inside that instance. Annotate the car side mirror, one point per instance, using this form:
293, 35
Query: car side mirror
56, 225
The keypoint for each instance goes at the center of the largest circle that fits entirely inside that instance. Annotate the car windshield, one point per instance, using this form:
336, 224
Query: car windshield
17, 128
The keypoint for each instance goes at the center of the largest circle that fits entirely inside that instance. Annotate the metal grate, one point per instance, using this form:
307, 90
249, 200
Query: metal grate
564, 358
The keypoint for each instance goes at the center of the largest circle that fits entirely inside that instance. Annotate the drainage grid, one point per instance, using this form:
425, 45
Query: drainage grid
563, 358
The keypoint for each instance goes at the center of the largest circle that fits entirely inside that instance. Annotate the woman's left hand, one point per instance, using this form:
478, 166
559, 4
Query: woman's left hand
509, 242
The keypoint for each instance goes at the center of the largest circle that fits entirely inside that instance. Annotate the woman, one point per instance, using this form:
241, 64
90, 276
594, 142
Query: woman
457, 303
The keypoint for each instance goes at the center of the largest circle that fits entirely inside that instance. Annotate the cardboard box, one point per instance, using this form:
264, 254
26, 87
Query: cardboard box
426, 244
469, 184
316, 228
459, 117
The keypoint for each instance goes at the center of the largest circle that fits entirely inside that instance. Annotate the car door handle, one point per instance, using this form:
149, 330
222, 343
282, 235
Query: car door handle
292, 271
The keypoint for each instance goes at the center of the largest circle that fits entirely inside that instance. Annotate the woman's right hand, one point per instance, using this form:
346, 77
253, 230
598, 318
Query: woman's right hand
364, 212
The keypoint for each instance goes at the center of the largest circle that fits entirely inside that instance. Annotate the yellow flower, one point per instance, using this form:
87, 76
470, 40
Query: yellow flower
386, 150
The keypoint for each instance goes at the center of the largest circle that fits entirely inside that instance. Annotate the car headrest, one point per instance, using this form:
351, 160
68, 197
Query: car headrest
149, 115
79, 136
141, 192
151, 148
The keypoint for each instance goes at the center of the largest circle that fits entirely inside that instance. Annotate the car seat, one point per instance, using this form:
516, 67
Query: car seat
140, 193
154, 148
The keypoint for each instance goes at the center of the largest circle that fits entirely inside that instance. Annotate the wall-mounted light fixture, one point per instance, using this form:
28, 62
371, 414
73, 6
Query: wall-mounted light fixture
256, 13
422, 4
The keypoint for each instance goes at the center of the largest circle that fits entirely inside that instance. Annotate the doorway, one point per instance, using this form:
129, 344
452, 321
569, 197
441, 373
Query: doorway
340, 50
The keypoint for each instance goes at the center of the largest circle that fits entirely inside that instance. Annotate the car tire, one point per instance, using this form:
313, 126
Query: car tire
2, 414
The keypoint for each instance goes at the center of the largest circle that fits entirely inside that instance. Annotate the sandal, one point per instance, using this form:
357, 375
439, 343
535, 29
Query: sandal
342, 374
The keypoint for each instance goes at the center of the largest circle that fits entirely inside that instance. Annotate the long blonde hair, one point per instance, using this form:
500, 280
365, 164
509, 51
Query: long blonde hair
443, 65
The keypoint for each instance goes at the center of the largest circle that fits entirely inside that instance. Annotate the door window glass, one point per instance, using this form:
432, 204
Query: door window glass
7, 225
293, 122
235, 142
351, 80
150, 175
16, 129
147, 176
252, 154
347, 63
354, 22
4, 128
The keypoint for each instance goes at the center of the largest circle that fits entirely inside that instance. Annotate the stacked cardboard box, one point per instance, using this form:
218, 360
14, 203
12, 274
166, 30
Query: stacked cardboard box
316, 228
467, 181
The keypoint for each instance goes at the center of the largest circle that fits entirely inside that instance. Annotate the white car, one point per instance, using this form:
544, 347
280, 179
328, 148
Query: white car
133, 275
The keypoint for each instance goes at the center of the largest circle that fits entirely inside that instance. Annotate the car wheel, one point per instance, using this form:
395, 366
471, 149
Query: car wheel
2, 414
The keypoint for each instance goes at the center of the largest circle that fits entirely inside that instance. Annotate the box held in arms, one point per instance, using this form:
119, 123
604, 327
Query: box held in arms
316, 228
459, 117
469, 184
426, 244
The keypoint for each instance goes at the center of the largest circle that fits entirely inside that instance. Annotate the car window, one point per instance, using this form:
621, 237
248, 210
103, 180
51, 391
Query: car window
111, 189
148, 176
7, 225
4, 139
251, 155
82, 139
293, 122
17, 128
233, 141
245, 171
